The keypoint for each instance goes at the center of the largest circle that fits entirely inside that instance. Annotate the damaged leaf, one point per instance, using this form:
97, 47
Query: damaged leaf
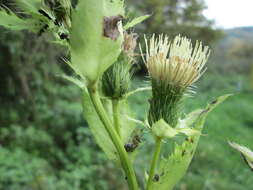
174, 166
111, 29
96, 36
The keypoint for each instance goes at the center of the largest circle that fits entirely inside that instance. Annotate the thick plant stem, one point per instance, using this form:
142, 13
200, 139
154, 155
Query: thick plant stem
115, 109
154, 162
125, 161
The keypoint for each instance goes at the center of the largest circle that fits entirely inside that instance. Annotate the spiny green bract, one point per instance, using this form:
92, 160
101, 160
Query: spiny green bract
165, 103
116, 80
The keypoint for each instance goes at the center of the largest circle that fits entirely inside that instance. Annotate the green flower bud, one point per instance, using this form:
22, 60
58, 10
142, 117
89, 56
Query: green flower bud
96, 36
116, 80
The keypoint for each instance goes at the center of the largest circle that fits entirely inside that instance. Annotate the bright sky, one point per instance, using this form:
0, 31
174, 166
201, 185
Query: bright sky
230, 13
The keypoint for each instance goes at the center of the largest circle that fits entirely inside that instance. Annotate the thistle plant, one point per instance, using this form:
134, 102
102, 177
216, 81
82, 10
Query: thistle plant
173, 68
102, 54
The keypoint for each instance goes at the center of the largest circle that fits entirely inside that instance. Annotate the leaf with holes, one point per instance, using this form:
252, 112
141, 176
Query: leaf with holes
173, 167
96, 36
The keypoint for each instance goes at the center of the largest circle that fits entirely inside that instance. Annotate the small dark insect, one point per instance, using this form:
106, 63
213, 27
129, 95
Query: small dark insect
156, 178
43, 29
130, 147
214, 102
64, 36
45, 14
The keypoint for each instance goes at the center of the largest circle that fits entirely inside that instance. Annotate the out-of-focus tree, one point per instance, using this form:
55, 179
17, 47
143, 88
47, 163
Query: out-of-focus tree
176, 16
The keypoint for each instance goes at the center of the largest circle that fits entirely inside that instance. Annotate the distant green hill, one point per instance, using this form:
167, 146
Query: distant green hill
234, 52
240, 33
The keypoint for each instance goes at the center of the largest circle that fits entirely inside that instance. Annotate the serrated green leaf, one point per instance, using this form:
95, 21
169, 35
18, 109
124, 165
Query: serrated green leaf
245, 152
135, 21
188, 131
13, 22
163, 130
174, 167
189, 120
101, 136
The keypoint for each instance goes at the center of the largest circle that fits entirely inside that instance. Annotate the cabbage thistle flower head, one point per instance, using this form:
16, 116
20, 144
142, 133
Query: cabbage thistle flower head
173, 67
177, 62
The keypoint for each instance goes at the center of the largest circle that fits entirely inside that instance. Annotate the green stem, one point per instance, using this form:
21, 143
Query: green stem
115, 109
125, 162
154, 162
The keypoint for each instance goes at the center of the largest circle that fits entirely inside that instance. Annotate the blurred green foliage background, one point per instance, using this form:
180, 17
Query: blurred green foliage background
45, 143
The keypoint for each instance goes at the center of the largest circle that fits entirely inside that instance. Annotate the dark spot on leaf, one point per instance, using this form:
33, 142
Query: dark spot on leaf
156, 178
64, 36
183, 152
205, 110
214, 102
247, 162
111, 27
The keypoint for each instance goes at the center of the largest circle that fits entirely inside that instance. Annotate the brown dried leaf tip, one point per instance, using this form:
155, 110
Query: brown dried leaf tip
111, 27
130, 42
